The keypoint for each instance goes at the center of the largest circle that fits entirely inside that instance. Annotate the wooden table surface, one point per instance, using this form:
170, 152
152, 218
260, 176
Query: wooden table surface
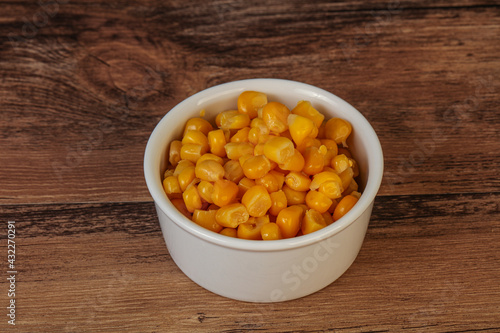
83, 83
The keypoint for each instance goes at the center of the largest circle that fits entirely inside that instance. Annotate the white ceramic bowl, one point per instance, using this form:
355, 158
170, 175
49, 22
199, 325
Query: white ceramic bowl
264, 271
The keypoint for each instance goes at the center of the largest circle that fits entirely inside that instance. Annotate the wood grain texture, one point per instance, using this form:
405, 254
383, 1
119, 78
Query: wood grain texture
86, 90
104, 267
83, 83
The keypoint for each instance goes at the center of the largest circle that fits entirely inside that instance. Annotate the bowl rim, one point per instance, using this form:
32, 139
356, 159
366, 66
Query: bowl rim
153, 181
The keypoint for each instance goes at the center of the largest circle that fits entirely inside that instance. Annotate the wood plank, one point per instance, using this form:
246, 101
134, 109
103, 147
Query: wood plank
428, 263
79, 99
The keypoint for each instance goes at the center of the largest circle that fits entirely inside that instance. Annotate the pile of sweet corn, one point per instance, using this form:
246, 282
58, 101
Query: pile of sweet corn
264, 172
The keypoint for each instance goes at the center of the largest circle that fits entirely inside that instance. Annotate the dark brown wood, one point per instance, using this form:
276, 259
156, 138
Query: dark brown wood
82, 85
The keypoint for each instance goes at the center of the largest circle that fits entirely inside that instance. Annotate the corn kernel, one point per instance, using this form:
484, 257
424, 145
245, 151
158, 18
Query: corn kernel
186, 176
270, 231
243, 185
346, 177
198, 124
275, 115
172, 187
230, 216
314, 161
192, 152
209, 170
206, 219
257, 201
249, 102
340, 163
305, 109
294, 163
224, 193
331, 189
353, 187
300, 128
205, 189
209, 156
338, 130
197, 138
233, 120
312, 221
256, 167
298, 181
192, 198
328, 218
217, 141
241, 135
269, 181
344, 206
183, 164
344, 151
289, 221
174, 155
278, 202
279, 176
279, 149
233, 171
322, 177
318, 201
294, 197
181, 207
251, 228
229, 232
234, 150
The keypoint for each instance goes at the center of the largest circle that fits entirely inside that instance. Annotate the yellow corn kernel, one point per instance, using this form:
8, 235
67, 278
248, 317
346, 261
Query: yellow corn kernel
205, 189
322, 177
234, 150
312, 221
241, 135
243, 185
256, 167
257, 128
233, 120
340, 163
353, 187
212, 157
231, 216
249, 102
224, 193
278, 202
308, 142
192, 198
289, 221
331, 189
243, 158
321, 131
279, 149
305, 109
233, 171
294, 197
300, 128
209, 170
346, 177
266, 137
328, 218
344, 151
195, 137
354, 166
251, 228
259, 149
294, 163
269, 181
338, 130
344, 206
257, 201
224, 114
206, 219
318, 201
279, 176
198, 124
172, 187
330, 144
186, 176
168, 173
333, 206
356, 194
229, 232
314, 161
183, 164
298, 181
270, 231
217, 141
275, 116
328, 157
181, 207
192, 152
174, 154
